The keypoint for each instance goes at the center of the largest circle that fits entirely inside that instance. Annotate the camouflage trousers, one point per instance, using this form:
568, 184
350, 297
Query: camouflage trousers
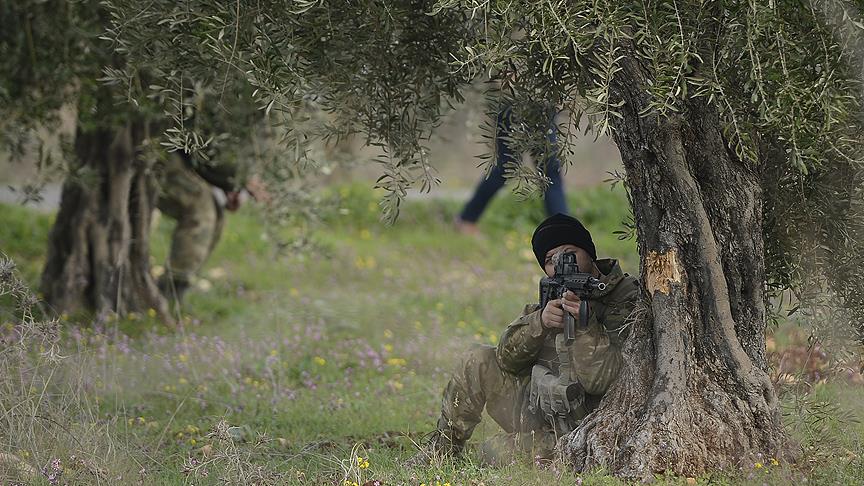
477, 383
189, 200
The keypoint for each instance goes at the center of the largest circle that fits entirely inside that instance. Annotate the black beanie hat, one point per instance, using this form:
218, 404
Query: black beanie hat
558, 230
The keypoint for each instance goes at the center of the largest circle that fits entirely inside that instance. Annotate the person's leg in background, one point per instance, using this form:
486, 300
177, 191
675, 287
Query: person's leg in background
489, 186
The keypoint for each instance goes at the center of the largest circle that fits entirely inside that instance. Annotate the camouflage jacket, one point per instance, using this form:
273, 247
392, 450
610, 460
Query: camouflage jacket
595, 356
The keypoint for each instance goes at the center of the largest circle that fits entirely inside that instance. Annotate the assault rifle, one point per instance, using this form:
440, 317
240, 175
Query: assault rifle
568, 277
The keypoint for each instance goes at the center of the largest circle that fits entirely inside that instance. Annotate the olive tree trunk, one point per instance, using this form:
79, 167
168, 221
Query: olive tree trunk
694, 393
98, 250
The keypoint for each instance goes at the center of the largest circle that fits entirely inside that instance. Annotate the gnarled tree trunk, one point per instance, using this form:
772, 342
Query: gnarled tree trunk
98, 250
695, 393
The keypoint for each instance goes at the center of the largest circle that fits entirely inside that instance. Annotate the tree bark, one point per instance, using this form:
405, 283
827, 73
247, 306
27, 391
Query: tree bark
694, 393
98, 250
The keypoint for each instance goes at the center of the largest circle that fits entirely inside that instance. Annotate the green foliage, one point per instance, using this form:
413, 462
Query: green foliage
375, 67
783, 76
238, 393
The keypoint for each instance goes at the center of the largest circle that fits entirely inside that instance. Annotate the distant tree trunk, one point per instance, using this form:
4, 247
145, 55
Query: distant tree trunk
98, 250
695, 393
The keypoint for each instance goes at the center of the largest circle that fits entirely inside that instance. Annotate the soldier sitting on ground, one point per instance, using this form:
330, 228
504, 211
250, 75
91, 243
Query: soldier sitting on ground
533, 385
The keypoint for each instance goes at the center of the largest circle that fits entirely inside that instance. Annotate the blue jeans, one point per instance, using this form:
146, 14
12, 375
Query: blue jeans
553, 198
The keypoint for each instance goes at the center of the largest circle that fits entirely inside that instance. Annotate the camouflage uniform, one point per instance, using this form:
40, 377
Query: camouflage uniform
187, 197
509, 380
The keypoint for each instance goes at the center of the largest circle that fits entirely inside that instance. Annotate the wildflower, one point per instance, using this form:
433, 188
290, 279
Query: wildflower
293, 292
388, 348
151, 313
758, 465
273, 352
365, 234
388, 334
183, 381
319, 360
396, 361
774, 462
350, 483
183, 358
362, 463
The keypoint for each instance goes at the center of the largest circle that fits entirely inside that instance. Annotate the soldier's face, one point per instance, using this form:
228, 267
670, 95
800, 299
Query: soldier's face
582, 258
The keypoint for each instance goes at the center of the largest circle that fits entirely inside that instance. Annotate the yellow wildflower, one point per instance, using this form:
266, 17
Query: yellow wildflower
396, 361
294, 292
365, 234
151, 313
758, 465
388, 348
319, 360
362, 463
183, 358
775, 462
388, 334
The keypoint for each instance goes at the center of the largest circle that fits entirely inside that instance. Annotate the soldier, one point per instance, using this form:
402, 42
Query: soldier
187, 197
533, 385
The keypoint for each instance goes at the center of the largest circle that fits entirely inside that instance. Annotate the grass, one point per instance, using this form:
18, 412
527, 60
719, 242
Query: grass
301, 368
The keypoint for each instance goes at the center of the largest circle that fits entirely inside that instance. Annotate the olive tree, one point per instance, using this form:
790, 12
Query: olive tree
738, 123
54, 55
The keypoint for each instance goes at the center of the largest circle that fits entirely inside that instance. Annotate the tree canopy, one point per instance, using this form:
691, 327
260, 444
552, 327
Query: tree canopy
784, 76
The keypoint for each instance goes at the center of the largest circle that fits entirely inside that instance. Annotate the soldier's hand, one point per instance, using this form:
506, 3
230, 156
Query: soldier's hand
552, 316
570, 302
232, 200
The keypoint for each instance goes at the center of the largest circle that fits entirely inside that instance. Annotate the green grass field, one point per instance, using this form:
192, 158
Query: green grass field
326, 365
